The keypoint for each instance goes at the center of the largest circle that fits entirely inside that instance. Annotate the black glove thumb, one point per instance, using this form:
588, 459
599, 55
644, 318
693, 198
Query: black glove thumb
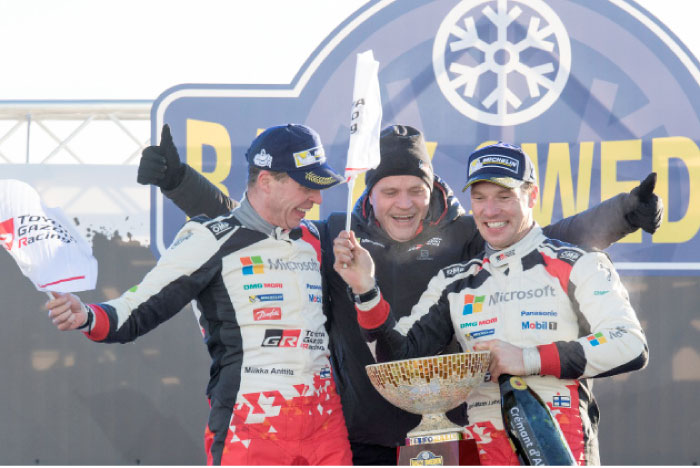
174, 169
645, 190
646, 207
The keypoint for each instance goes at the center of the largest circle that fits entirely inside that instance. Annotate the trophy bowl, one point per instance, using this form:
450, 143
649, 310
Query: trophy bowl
430, 386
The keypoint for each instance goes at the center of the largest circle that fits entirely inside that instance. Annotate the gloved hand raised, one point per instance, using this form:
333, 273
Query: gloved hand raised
160, 165
643, 208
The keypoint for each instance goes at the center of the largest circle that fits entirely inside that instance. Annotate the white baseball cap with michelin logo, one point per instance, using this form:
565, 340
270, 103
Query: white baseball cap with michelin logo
296, 150
502, 164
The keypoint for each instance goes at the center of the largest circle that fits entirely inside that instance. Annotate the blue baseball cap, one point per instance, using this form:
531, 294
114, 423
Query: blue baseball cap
296, 150
502, 164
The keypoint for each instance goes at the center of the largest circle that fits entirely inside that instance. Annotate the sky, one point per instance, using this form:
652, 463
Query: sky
136, 49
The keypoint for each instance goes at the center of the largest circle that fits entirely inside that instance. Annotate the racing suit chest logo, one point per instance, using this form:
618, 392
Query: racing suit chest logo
247, 287
520, 295
267, 313
276, 338
473, 304
252, 265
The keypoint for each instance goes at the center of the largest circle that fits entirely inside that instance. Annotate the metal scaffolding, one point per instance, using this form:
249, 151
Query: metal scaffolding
38, 132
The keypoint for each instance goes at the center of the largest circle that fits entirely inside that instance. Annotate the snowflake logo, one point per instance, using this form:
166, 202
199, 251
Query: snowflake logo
502, 66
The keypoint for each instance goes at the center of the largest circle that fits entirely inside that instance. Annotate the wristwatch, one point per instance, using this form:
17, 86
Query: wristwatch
365, 296
88, 322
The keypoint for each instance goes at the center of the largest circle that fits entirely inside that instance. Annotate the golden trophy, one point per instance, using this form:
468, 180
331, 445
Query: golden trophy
431, 386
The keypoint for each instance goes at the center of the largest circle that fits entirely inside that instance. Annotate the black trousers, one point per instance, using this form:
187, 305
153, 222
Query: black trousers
370, 454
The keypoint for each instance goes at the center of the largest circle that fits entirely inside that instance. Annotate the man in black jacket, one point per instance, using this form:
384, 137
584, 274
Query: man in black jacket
412, 225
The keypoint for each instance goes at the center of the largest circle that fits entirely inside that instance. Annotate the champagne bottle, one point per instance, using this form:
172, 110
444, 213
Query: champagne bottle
532, 429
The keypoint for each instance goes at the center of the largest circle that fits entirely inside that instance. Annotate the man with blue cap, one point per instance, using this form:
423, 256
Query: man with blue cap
255, 273
554, 313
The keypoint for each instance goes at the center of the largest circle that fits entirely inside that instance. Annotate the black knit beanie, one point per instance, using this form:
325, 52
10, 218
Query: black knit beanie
403, 152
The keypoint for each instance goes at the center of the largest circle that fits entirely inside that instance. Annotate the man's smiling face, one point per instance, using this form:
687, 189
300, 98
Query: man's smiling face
400, 204
289, 202
503, 215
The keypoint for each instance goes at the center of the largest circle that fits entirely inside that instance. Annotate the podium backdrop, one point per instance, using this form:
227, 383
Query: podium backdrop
599, 93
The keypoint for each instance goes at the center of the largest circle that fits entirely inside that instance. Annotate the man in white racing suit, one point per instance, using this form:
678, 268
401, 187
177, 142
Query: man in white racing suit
256, 275
545, 309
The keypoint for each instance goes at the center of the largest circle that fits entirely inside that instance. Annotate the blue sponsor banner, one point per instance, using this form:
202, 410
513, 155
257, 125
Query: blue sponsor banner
266, 298
599, 94
482, 333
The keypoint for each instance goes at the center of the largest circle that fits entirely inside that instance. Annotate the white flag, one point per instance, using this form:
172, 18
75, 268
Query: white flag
365, 123
45, 245
366, 120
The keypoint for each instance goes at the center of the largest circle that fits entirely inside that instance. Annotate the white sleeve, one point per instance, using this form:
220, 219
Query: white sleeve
616, 342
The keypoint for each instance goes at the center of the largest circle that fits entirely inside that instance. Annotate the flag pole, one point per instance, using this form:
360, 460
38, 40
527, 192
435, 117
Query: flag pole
348, 208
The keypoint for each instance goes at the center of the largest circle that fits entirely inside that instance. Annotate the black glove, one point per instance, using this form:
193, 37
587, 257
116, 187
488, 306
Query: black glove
160, 165
644, 207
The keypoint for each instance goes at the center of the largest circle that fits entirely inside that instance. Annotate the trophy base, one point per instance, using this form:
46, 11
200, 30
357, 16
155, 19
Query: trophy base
451, 453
